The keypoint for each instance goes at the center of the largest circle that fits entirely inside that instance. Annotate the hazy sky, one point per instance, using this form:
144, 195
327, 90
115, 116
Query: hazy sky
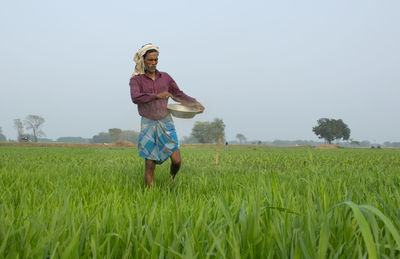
269, 69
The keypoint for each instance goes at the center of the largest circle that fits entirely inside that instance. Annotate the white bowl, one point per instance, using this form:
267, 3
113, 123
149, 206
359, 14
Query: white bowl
182, 111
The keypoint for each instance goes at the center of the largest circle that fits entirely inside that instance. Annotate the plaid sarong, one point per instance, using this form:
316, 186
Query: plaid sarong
157, 139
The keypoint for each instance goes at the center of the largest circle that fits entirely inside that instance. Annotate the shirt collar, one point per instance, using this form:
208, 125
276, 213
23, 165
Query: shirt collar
158, 74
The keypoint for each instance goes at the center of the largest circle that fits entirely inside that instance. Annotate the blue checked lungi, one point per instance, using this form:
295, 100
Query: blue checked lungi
157, 139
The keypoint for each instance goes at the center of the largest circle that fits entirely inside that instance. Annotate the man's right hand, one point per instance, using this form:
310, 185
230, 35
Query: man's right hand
164, 95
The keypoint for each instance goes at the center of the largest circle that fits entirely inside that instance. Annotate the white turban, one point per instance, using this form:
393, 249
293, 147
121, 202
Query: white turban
139, 59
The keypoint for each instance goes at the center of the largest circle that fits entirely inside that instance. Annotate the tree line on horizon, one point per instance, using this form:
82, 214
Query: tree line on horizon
202, 132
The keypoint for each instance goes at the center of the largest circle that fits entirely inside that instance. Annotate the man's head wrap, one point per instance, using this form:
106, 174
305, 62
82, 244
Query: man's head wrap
139, 58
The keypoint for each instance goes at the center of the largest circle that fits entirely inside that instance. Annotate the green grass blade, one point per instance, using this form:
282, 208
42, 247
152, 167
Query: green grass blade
388, 223
364, 228
324, 238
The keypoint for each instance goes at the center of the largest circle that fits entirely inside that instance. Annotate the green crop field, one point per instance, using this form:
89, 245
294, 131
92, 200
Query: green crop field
87, 202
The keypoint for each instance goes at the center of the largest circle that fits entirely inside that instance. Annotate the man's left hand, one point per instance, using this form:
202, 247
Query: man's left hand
199, 106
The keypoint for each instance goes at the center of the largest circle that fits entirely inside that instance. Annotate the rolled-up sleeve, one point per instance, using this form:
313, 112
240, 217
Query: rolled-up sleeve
137, 95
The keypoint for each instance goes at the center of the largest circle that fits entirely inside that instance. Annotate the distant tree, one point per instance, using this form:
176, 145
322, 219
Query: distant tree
331, 129
72, 140
278, 142
217, 130
200, 131
395, 144
365, 143
45, 140
20, 128
2, 137
392, 144
209, 132
130, 135
34, 122
115, 134
102, 137
189, 140
241, 138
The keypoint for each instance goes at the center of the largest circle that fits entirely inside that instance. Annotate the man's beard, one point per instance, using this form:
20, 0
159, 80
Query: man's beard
151, 69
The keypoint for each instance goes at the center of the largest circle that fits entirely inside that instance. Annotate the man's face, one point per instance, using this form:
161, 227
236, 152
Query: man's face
150, 62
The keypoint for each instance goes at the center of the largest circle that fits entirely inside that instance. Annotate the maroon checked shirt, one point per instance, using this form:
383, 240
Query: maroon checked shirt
144, 91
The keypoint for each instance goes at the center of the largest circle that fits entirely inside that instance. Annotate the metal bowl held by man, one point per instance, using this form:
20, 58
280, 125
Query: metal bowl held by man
182, 111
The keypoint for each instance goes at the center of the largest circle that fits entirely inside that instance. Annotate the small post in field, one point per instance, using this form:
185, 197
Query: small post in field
219, 147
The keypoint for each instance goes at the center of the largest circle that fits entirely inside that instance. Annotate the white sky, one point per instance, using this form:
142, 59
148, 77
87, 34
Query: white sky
269, 69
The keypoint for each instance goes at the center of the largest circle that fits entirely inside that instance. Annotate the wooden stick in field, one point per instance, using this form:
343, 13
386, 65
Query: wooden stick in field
219, 147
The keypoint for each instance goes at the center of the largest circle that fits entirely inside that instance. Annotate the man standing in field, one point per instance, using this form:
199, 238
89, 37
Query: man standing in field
150, 90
